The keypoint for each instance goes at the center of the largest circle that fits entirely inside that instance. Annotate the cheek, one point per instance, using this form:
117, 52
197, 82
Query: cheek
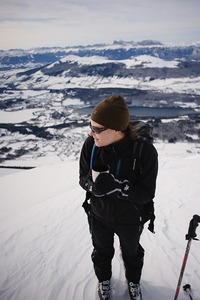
104, 141
99, 142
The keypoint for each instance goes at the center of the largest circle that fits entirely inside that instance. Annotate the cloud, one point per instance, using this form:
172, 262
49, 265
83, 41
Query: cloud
65, 22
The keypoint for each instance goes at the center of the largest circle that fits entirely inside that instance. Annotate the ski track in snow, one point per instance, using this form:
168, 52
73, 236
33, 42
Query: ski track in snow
45, 243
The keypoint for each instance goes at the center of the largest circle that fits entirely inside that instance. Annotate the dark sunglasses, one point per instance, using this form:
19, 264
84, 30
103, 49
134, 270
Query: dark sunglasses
97, 130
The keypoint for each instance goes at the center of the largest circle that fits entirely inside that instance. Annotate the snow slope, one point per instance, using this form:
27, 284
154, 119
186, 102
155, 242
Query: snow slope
45, 243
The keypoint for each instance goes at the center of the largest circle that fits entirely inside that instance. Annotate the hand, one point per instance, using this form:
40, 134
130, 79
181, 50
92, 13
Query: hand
88, 183
104, 183
107, 184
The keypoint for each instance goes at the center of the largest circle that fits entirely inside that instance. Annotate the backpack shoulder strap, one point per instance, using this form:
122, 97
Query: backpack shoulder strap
137, 152
92, 156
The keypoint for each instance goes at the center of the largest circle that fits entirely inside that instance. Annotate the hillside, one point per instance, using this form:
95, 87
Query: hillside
45, 242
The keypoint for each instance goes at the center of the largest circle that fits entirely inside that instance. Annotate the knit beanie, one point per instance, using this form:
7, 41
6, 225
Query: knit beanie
112, 113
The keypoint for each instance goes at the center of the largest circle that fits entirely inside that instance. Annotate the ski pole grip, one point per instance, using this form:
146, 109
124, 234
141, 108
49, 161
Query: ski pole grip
192, 228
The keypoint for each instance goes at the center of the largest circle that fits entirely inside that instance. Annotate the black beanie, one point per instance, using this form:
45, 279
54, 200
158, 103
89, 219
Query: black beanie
112, 113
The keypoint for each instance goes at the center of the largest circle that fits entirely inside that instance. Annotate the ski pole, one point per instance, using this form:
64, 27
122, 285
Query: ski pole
191, 235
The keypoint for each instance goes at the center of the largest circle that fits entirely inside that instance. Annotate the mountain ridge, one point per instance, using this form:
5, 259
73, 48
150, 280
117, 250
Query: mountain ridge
118, 50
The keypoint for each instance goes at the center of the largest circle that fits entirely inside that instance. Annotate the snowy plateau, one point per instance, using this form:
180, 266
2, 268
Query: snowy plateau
46, 96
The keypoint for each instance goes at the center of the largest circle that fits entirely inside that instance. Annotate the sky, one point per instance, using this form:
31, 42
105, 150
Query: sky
45, 23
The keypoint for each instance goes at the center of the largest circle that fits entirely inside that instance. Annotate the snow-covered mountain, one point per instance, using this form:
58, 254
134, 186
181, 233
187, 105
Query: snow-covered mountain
157, 70
117, 50
46, 96
46, 92
45, 242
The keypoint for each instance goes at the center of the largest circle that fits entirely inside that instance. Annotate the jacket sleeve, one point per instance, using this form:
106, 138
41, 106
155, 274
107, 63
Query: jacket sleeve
143, 190
85, 178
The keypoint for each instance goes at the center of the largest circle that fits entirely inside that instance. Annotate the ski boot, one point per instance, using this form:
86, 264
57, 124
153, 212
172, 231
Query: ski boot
104, 290
134, 291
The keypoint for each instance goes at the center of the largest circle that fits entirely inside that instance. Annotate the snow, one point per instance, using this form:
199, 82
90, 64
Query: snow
143, 60
86, 60
17, 116
45, 242
169, 85
70, 101
41, 83
147, 61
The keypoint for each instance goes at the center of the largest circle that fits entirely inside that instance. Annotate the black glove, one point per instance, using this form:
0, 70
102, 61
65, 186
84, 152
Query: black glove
88, 183
107, 184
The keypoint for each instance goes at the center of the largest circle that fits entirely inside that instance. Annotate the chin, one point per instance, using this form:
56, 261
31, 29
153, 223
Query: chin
98, 143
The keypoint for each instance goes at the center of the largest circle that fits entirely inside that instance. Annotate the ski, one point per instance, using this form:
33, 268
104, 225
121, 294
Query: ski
188, 291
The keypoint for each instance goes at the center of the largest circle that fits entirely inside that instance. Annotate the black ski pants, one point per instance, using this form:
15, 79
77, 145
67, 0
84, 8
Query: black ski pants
103, 252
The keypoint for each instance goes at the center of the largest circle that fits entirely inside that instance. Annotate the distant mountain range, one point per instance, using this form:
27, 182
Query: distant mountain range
117, 51
49, 88
146, 72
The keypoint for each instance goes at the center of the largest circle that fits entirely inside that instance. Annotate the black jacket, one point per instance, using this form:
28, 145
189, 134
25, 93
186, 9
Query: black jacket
142, 179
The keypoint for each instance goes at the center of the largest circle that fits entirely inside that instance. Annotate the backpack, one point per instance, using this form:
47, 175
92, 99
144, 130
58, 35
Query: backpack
144, 133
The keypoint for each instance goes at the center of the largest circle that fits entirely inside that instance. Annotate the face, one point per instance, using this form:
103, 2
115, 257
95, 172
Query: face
106, 136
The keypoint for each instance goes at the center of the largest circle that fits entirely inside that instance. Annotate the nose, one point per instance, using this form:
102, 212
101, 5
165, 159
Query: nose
91, 133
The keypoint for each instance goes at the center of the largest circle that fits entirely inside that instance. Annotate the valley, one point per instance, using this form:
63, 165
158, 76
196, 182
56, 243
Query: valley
46, 95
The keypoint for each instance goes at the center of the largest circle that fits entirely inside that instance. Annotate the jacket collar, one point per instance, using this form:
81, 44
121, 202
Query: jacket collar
119, 147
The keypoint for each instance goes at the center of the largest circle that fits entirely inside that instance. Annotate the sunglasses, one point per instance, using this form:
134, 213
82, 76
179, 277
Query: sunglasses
97, 130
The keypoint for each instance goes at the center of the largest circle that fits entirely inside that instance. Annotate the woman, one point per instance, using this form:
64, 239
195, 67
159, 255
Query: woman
118, 195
